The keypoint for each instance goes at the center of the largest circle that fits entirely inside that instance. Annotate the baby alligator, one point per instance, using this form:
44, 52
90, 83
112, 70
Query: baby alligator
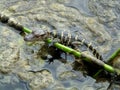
64, 37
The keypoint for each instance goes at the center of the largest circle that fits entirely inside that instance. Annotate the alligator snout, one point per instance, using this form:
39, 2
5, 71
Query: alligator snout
29, 37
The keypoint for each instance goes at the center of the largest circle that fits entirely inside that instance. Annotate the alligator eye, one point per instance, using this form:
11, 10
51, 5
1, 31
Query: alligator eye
38, 33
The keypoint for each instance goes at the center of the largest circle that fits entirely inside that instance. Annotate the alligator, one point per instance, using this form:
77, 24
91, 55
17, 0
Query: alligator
65, 37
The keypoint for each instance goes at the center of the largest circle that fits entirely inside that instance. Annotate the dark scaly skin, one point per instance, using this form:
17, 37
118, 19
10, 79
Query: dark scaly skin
64, 37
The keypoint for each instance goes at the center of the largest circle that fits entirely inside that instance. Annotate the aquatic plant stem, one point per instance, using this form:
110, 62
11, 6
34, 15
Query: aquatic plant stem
26, 30
84, 56
96, 74
114, 55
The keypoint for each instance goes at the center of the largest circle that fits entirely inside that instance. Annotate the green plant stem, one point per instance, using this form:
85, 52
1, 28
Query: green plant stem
114, 55
84, 56
27, 30
78, 54
95, 76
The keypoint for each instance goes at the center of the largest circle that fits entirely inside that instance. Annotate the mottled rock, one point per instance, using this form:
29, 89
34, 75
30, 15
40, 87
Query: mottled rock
41, 80
10, 46
103, 9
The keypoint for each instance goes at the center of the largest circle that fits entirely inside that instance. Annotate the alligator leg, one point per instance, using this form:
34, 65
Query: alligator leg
76, 45
58, 57
54, 54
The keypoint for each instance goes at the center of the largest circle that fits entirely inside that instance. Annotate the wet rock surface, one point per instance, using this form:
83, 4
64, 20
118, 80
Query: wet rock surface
107, 13
12, 82
9, 49
95, 20
17, 58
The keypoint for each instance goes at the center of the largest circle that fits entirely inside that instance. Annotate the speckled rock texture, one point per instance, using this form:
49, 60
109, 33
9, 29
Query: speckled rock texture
94, 20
